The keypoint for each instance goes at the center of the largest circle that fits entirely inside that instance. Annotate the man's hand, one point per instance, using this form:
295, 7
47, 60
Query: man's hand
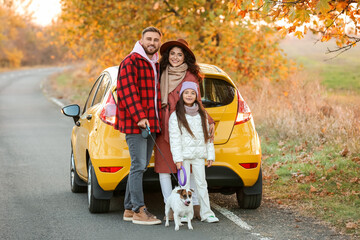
178, 165
143, 123
209, 163
212, 132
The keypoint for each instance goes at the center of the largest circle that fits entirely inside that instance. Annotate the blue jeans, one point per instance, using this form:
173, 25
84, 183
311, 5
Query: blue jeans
140, 150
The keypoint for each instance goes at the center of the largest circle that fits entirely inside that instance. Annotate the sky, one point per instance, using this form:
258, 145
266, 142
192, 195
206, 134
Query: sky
45, 11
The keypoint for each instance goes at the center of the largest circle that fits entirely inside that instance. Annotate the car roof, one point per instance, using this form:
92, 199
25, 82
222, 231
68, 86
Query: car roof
207, 69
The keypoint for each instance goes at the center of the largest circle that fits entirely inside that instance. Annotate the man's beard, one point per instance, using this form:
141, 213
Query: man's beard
151, 52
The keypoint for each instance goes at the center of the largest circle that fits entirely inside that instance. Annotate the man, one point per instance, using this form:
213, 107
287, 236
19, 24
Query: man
138, 93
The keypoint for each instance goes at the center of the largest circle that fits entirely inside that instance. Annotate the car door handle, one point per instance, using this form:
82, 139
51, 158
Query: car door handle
88, 117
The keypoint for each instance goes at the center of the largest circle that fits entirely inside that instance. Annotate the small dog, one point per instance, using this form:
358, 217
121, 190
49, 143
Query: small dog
180, 202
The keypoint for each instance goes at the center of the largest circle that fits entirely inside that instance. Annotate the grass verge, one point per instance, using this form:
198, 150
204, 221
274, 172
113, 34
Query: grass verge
311, 149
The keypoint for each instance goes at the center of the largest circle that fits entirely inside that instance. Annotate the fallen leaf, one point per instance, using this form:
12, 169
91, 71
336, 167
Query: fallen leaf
351, 225
356, 159
355, 180
344, 152
312, 189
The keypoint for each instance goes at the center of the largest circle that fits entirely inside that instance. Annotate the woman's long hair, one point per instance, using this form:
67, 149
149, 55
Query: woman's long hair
180, 113
193, 67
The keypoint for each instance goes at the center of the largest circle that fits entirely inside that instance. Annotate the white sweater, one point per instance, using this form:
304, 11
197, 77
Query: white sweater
184, 146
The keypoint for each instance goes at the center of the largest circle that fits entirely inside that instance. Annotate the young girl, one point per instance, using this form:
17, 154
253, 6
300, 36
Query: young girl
190, 145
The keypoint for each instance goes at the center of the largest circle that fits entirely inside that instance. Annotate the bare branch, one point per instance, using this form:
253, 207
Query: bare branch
171, 9
345, 48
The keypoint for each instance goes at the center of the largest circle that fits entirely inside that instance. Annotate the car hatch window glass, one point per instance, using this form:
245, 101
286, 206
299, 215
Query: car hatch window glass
101, 90
92, 93
216, 92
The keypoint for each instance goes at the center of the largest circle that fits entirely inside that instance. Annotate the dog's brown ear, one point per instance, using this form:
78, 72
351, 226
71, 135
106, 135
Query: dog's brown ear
179, 191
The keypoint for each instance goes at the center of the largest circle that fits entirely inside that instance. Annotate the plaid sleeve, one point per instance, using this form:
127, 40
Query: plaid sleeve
128, 92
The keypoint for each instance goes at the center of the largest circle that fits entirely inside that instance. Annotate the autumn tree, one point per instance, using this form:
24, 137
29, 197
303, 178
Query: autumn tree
21, 41
10, 22
338, 19
106, 31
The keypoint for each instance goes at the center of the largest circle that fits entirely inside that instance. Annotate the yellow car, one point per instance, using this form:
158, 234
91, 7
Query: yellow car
100, 160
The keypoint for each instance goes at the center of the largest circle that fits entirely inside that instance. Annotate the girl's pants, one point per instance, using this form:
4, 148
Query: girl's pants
198, 170
166, 186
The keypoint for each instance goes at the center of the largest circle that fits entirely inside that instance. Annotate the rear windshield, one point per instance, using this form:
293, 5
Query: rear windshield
216, 92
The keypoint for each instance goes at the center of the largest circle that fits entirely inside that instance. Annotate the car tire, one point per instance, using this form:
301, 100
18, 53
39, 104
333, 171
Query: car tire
95, 205
246, 197
74, 178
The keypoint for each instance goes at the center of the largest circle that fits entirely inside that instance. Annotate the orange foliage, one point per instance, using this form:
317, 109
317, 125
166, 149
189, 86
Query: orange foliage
22, 42
339, 19
246, 51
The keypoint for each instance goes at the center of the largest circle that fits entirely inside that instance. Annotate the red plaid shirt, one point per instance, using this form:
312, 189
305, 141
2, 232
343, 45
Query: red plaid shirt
135, 94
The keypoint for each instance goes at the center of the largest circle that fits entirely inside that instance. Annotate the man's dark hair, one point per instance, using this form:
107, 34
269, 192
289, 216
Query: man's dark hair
151, 29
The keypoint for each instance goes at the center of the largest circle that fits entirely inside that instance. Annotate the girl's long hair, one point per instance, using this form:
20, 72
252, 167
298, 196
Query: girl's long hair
193, 67
180, 113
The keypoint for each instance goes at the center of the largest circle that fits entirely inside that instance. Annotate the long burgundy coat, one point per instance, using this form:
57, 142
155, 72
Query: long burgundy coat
162, 139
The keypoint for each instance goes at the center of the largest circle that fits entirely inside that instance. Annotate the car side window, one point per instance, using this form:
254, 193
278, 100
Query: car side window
104, 85
216, 92
92, 93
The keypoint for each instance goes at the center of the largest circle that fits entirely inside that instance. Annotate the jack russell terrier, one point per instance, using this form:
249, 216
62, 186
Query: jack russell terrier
180, 202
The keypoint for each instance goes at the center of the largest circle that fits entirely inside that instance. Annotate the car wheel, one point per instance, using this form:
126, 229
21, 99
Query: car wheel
95, 205
250, 198
74, 178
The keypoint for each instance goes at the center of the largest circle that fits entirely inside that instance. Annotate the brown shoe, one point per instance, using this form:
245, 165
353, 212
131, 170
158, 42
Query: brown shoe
171, 215
197, 212
143, 217
128, 215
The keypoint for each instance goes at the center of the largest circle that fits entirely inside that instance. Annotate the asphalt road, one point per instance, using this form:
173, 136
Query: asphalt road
36, 201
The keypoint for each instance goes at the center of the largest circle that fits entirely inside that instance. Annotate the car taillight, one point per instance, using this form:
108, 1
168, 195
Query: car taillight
244, 112
110, 169
107, 114
248, 165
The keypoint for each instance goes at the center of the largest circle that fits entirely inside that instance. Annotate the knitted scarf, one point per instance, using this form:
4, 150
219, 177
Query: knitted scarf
170, 79
193, 110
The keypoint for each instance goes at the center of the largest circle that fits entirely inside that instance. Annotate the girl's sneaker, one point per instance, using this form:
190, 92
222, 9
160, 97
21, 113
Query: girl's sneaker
211, 219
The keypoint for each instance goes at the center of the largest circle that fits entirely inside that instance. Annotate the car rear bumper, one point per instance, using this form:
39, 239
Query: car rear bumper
219, 179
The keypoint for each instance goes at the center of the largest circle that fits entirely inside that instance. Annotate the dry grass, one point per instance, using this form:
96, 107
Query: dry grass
311, 148
73, 86
302, 110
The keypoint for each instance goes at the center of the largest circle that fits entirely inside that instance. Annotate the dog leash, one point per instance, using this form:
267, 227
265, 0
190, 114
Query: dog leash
145, 133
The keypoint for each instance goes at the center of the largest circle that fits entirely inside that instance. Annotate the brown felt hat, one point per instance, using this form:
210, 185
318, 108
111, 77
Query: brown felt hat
178, 43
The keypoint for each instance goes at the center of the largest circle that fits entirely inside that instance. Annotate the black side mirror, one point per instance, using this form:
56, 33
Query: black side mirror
72, 111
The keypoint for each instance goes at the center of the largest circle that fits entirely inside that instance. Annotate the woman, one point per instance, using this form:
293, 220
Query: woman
177, 65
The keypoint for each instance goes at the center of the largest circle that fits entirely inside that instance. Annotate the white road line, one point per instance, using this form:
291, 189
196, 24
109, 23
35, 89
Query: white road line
57, 102
237, 220
231, 216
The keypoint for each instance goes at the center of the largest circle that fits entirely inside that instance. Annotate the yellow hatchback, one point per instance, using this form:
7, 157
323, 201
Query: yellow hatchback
100, 160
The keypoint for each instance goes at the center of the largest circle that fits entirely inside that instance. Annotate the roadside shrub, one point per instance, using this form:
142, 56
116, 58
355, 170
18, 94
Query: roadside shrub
300, 110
